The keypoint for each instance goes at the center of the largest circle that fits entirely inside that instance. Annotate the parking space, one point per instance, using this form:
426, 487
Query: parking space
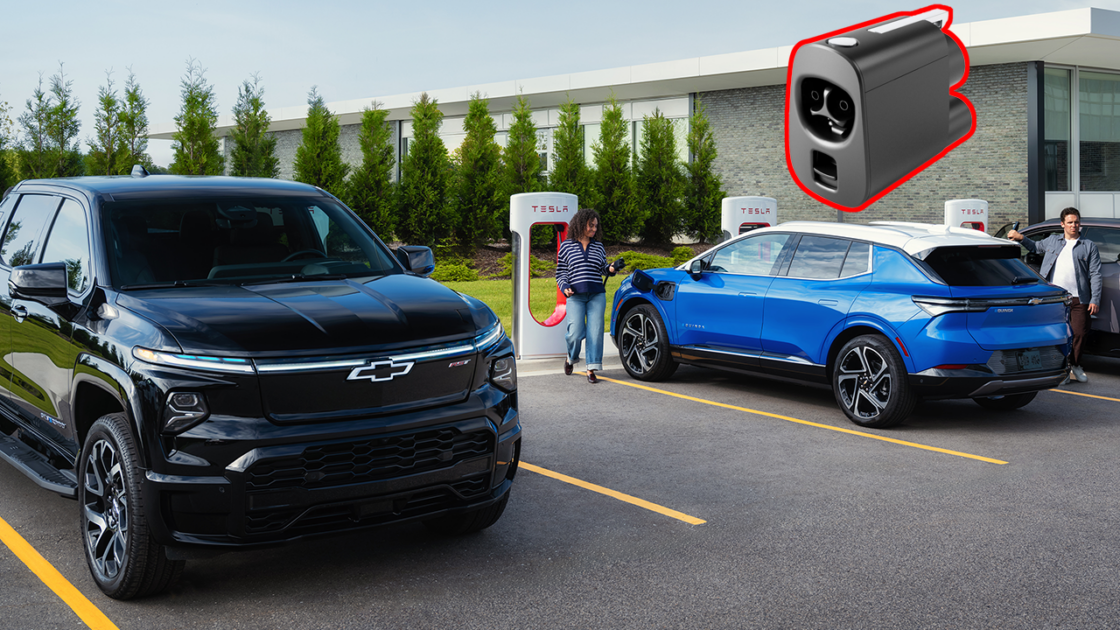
808, 522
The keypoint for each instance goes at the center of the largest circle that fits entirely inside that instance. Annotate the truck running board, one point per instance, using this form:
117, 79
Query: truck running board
29, 462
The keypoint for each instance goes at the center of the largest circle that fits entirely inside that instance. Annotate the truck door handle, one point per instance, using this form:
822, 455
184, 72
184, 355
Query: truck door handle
20, 313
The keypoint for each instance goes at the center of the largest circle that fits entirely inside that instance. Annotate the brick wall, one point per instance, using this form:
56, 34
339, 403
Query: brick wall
992, 165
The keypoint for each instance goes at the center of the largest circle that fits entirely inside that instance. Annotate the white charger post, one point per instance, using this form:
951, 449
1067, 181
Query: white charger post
743, 214
967, 213
533, 339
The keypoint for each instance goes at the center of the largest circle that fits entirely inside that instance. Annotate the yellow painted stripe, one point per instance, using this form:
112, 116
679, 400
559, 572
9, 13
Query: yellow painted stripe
692, 520
1065, 391
806, 422
50, 576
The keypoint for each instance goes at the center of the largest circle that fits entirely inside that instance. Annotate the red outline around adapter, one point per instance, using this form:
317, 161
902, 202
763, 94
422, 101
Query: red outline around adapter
952, 90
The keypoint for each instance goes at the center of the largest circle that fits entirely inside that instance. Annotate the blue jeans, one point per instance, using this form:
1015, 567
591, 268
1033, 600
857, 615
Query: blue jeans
585, 320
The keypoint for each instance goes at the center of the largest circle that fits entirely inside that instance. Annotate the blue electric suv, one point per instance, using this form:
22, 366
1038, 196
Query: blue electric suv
887, 314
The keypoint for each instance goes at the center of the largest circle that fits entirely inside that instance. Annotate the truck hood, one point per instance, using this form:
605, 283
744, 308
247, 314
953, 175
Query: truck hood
312, 317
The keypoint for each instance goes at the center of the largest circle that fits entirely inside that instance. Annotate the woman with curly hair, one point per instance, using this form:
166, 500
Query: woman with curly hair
581, 264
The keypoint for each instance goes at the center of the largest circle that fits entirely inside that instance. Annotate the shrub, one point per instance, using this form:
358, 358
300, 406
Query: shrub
682, 254
454, 272
638, 260
537, 266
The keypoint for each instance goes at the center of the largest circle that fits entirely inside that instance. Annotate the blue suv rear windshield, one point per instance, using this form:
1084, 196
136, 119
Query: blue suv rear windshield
978, 266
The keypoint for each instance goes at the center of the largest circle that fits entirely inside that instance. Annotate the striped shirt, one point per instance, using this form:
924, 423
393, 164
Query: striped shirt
581, 270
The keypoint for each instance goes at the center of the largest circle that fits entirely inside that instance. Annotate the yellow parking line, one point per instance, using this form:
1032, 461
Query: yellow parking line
1064, 391
50, 576
691, 520
806, 422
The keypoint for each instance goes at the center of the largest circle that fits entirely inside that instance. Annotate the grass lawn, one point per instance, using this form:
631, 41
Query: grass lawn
498, 295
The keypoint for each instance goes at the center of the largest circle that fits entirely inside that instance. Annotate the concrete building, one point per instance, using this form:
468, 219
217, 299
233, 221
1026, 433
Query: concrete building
1046, 89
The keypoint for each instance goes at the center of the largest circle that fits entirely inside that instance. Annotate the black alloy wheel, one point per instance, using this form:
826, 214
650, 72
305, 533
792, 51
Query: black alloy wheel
123, 558
870, 384
644, 346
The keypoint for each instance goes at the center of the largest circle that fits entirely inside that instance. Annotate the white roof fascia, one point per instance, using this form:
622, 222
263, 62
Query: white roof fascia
1087, 37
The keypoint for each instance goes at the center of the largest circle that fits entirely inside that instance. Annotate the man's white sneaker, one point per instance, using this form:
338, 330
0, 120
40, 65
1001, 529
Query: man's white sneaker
1079, 374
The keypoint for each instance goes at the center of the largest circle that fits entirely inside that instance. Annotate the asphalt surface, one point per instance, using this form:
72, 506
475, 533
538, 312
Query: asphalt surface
806, 526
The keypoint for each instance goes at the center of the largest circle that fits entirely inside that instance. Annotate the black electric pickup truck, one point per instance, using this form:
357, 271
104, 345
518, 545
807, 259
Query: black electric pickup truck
209, 364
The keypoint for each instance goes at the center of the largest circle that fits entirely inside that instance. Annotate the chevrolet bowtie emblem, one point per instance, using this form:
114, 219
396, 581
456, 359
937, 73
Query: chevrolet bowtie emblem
377, 371
1034, 301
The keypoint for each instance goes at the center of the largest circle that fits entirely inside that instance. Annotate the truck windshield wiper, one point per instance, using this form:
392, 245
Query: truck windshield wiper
175, 284
298, 277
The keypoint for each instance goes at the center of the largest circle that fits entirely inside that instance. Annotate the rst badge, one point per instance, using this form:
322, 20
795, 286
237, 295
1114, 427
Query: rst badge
377, 371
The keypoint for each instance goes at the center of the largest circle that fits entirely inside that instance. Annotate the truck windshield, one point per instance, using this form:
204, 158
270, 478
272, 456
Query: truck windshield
237, 240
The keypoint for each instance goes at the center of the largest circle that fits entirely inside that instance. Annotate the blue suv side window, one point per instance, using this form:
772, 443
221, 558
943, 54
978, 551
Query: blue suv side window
754, 256
818, 258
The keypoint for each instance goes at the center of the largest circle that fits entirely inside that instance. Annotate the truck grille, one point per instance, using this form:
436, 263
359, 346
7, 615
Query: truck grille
373, 459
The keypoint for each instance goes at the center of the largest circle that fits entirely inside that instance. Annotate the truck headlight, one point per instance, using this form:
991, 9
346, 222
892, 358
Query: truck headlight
503, 374
182, 411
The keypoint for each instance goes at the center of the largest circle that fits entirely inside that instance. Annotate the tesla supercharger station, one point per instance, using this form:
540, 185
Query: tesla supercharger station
533, 339
967, 213
743, 214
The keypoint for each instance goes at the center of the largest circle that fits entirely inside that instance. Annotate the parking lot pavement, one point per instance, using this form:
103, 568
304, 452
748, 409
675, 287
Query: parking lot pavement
810, 522
555, 365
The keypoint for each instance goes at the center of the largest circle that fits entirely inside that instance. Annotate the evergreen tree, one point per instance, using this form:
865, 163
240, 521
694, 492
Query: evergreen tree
318, 157
8, 176
369, 191
704, 191
254, 149
569, 166
660, 182
134, 127
106, 148
63, 127
197, 150
521, 157
34, 158
425, 178
614, 181
477, 203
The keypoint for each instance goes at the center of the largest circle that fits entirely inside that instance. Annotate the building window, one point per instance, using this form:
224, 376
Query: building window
1099, 131
590, 138
1056, 119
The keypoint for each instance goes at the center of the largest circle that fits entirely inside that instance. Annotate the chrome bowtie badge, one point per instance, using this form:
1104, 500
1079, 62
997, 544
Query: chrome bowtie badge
377, 371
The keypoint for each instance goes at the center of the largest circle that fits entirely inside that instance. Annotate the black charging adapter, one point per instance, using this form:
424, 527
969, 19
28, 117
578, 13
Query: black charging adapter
869, 106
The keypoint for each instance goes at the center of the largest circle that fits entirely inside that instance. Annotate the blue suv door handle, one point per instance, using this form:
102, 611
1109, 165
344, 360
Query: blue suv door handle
827, 302
746, 293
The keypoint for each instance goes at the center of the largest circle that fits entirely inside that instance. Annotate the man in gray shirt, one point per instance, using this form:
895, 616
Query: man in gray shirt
1074, 264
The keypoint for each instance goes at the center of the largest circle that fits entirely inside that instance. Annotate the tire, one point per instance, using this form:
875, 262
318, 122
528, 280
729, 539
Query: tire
468, 522
870, 383
1006, 403
123, 557
644, 346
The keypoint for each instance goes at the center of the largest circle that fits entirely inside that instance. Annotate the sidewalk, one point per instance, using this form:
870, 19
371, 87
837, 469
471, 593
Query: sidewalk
555, 365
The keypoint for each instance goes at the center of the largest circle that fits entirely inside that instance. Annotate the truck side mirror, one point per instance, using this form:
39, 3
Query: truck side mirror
44, 283
417, 259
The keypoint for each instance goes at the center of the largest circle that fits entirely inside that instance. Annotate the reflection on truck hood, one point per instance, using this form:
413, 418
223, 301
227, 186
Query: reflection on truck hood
307, 317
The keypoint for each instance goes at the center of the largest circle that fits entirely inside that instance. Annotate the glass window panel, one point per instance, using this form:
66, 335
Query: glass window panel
1107, 241
21, 242
818, 258
590, 138
1056, 119
858, 260
755, 256
69, 243
1099, 131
